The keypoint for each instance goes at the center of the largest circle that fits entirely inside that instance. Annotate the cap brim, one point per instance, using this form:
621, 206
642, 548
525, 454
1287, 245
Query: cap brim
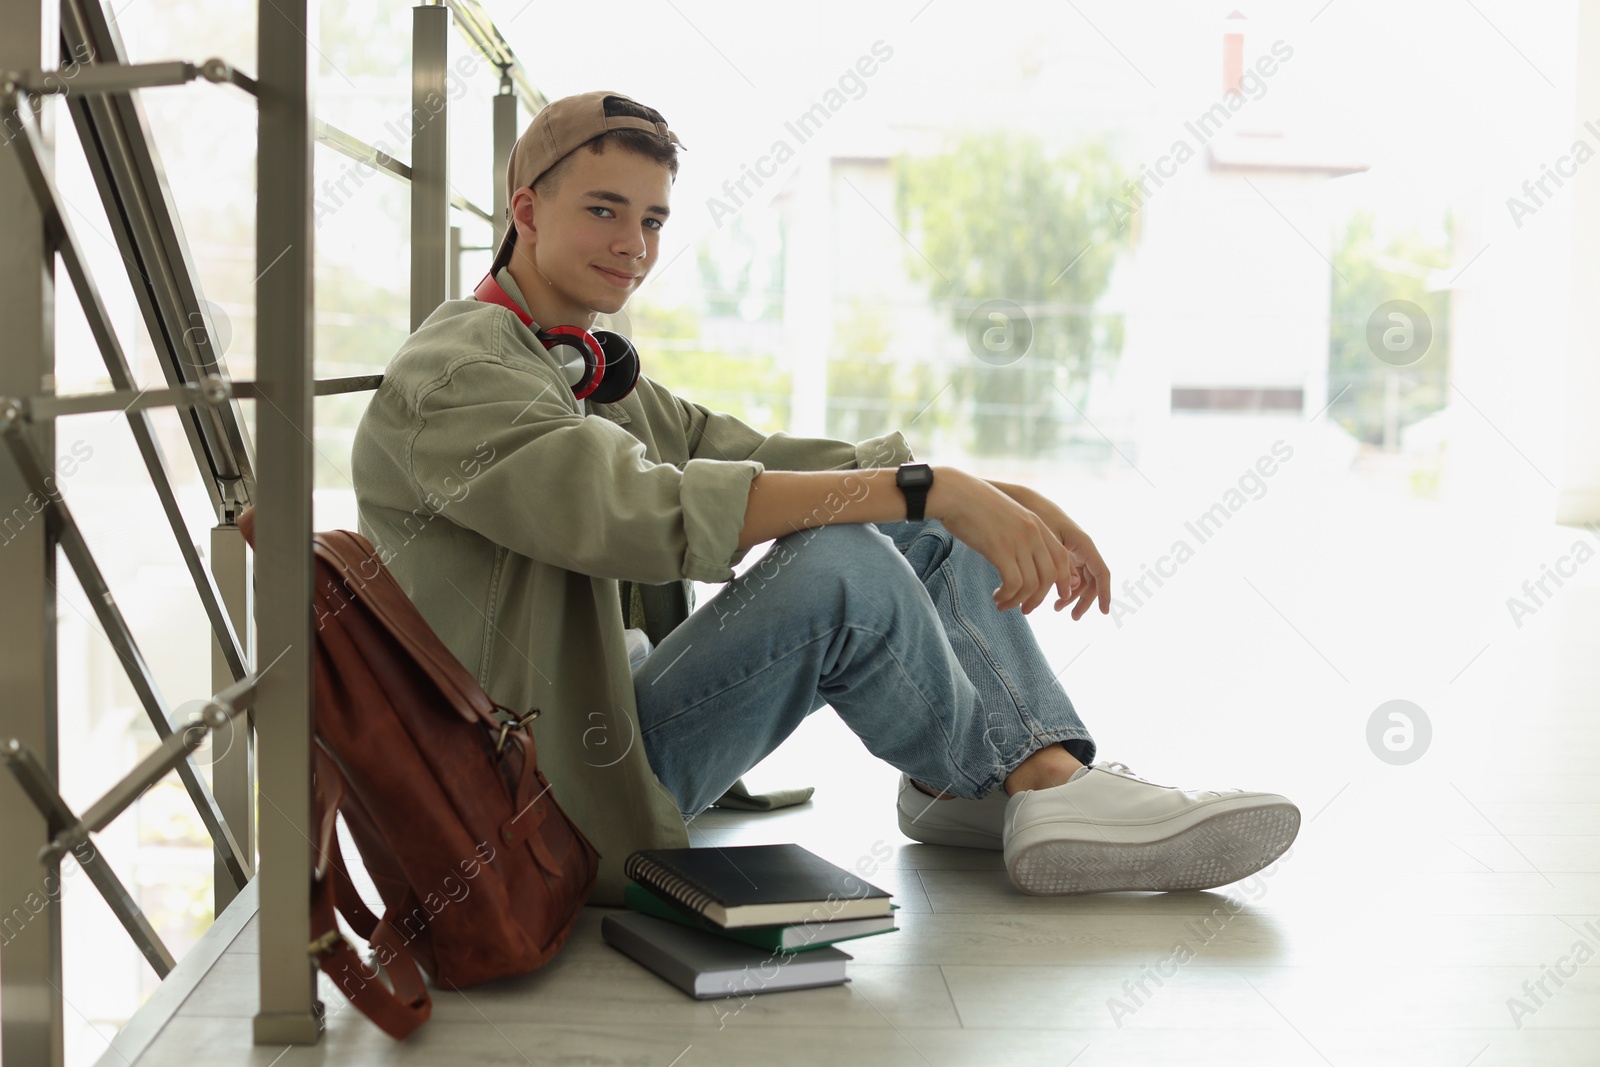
501, 252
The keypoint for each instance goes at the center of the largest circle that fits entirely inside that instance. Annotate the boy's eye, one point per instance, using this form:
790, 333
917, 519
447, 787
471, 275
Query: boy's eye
657, 223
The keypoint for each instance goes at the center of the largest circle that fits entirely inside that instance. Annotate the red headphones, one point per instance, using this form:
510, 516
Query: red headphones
601, 366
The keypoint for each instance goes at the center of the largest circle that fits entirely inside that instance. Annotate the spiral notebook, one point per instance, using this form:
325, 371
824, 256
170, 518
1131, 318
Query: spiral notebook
756, 885
789, 937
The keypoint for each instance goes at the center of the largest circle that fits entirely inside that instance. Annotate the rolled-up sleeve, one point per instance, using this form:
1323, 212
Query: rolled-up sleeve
711, 491
505, 450
720, 435
888, 450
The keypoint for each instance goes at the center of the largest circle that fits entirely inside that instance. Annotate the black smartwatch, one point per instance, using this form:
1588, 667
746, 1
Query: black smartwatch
914, 480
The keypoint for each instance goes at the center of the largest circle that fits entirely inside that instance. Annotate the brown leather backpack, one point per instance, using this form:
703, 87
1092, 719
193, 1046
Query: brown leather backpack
482, 874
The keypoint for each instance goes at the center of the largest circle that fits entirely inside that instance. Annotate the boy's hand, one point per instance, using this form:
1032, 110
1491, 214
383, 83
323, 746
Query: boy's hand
1030, 550
1090, 578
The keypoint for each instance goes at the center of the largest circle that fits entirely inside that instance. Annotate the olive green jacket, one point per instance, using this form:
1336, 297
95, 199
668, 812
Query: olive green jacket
510, 511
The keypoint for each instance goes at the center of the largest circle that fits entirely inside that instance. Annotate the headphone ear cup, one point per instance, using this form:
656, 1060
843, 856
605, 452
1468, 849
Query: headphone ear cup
622, 368
578, 354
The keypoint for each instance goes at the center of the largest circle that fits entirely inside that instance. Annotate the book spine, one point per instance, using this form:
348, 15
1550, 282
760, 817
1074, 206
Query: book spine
643, 900
663, 963
678, 907
659, 877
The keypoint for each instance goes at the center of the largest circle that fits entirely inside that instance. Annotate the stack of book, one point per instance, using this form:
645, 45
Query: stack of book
720, 922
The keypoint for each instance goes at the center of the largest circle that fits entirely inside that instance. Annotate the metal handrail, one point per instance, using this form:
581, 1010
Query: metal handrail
480, 29
121, 77
70, 833
176, 747
125, 166
355, 148
128, 171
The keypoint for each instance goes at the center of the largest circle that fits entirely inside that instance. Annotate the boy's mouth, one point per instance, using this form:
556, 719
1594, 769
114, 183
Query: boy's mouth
616, 278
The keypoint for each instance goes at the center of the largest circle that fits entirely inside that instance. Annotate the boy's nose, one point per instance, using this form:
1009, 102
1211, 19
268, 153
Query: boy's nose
631, 245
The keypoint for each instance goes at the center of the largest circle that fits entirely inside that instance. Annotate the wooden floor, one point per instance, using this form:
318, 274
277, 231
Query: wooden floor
1419, 906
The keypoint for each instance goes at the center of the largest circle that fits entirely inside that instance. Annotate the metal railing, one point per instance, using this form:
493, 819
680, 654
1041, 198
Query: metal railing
97, 86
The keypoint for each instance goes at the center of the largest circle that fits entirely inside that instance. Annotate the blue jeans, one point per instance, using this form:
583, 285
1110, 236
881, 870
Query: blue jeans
894, 625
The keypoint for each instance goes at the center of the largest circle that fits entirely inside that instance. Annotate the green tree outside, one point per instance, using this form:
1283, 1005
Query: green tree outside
741, 268
1003, 217
749, 387
1374, 400
868, 394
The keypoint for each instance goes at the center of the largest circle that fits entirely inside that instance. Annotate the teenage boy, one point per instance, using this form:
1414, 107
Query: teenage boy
510, 505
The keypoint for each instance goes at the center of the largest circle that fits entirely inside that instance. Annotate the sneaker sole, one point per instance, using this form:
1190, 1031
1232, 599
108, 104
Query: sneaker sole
1216, 851
927, 834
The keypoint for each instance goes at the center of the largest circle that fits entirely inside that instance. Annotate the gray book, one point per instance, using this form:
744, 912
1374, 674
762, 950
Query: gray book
708, 965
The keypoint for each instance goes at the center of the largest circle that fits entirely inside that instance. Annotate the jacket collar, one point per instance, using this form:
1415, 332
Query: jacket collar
613, 412
503, 276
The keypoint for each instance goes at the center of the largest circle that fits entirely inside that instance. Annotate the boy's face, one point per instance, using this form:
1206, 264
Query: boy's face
594, 239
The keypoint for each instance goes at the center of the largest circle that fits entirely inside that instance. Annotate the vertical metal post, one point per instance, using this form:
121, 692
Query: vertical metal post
430, 160
290, 1012
233, 765
30, 895
505, 139
455, 263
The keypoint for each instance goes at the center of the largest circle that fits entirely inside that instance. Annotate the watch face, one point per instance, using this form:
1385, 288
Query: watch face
916, 477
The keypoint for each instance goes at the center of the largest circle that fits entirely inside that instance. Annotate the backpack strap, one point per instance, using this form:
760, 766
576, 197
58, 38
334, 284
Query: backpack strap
398, 1011
363, 576
534, 805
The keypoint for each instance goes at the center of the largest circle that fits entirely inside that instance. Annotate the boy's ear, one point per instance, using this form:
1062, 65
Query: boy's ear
522, 205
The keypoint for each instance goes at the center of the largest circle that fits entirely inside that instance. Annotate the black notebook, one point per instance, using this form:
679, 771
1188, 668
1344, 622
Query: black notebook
756, 885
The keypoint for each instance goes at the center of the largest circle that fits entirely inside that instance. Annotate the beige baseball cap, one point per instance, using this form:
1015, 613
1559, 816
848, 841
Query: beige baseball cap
562, 126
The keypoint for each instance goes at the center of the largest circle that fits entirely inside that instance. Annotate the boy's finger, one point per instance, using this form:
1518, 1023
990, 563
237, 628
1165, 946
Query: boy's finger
1084, 598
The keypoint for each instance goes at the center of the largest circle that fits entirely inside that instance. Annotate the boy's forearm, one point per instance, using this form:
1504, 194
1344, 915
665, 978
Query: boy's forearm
782, 502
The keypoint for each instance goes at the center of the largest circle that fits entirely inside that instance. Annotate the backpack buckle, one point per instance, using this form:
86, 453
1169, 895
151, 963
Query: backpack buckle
325, 944
516, 722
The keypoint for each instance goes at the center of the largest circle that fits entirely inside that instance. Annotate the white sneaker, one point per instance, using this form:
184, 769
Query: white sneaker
954, 821
1109, 830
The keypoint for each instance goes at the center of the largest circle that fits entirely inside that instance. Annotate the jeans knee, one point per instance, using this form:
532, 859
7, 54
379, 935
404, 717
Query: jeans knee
845, 554
838, 573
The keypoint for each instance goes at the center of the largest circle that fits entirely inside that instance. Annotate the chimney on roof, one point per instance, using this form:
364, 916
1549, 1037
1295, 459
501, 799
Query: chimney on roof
1233, 55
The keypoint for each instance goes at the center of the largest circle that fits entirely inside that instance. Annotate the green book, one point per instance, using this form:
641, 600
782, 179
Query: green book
790, 937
